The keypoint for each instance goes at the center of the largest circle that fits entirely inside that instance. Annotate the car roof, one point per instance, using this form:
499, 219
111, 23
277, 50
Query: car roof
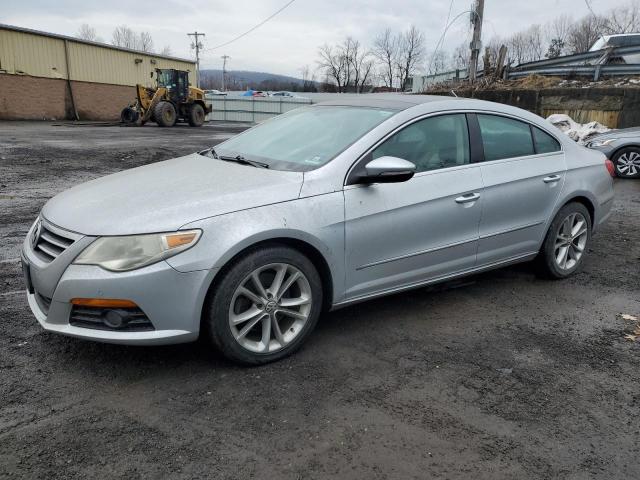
378, 100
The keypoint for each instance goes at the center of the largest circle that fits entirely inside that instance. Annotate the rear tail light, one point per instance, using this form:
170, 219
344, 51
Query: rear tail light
610, 167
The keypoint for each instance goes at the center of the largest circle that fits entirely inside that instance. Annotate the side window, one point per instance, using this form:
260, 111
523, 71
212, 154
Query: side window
504, 137
545, 143
432, 143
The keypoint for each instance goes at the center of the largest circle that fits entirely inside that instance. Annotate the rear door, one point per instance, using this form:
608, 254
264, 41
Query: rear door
398, 234
523, 172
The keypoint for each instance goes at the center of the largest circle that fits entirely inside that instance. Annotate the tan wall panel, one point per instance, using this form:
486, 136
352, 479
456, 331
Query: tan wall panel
34, 55
89, 63
43, 56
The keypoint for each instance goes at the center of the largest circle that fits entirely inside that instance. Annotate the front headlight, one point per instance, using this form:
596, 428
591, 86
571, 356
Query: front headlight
120, 254
601, 143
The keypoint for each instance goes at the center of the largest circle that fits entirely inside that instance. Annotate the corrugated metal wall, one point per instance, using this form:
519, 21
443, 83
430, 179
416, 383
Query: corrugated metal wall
251, 109
42, 56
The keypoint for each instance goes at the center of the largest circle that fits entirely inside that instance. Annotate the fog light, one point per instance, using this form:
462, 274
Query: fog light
114, 319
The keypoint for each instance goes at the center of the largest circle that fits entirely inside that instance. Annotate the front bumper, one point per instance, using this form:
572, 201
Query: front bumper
171, 300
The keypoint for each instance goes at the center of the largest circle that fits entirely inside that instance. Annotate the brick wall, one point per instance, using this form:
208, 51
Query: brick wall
34, 98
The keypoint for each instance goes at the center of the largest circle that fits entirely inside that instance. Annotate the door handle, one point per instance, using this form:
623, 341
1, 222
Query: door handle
469, 197
551, 178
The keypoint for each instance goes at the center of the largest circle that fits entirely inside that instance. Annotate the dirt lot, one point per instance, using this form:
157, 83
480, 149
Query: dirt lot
507, 376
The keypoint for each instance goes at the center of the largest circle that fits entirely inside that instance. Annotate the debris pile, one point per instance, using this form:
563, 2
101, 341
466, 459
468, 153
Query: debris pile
578, 132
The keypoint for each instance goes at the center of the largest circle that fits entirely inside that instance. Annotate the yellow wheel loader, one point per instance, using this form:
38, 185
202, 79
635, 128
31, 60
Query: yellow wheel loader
172, 100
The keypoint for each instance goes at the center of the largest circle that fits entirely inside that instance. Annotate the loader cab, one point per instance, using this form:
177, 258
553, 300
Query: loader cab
176, 82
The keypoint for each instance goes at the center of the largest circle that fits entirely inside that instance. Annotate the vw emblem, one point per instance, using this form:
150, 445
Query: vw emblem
36, 234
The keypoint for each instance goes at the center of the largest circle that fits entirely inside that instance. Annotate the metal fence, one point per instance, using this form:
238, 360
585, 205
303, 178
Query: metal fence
251, 109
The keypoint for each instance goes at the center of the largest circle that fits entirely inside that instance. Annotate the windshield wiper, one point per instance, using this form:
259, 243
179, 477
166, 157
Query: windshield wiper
244, 161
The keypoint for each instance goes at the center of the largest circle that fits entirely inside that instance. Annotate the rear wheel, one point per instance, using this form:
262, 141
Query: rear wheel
265, 306
566, 243
165, 114
627, 162
196, 115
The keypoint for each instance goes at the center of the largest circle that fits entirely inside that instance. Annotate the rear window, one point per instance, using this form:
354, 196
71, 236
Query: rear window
504, 137
545, 143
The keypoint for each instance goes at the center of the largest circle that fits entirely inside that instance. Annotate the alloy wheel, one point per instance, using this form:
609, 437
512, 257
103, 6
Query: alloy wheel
628, 164
270, 308
571, 241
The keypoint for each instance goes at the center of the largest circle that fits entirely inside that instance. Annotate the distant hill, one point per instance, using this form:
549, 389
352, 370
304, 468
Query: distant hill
244, 79
251, 77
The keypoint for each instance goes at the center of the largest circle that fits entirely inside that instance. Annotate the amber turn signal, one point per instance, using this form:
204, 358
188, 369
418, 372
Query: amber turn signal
103, 303
179, 239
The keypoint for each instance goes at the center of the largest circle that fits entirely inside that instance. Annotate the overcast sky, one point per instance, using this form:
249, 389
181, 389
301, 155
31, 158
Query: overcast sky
290, 40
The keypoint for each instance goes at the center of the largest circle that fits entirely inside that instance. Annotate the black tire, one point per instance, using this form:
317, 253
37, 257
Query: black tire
216, 324
129, 116
165, 114
196, 115
546, 261
627, 154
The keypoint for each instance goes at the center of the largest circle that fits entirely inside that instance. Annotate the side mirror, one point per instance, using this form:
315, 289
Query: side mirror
387, 170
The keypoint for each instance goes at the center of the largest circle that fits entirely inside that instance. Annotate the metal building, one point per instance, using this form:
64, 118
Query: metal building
49, 76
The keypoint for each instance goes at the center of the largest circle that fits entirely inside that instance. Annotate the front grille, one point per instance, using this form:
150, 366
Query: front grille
43, 302
134, 319
50, 245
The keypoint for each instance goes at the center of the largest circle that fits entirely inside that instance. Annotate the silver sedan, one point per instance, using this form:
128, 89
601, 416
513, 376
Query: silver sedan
249, 242
623, 148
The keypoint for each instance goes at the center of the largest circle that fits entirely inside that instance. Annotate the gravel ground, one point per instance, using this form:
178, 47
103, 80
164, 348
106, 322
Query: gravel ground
503, 375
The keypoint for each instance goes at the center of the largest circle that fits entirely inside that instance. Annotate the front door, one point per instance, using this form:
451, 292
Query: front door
400, 234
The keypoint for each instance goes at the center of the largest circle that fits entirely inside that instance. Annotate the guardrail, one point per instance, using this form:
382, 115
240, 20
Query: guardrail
591, 70
251, 109
588, 63
579, 58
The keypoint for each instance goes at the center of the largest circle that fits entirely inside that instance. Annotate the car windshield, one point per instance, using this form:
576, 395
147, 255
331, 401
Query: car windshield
305, 138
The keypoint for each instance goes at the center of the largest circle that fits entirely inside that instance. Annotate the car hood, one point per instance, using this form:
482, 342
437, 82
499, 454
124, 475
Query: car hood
621, 133
166, 195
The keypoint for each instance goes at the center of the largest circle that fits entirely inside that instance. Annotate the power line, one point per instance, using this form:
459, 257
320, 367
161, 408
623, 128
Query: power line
445, 32
252, 28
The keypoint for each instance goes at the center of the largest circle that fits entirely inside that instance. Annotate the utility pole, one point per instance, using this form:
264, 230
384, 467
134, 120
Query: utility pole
476, 42
197, 45
224, 68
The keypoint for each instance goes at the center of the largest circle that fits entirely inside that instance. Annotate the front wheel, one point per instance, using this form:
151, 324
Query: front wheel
196, 115
265, 306
566, 243
165, 114
627, 162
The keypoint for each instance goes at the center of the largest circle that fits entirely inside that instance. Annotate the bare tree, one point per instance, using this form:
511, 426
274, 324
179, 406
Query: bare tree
145, 42
385, 49
559, 28
623, 19
411, 53
166, 51
438, 63
460, 57
308, 79
360, 62
334, 65
125, 37
87, 32
585, 32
